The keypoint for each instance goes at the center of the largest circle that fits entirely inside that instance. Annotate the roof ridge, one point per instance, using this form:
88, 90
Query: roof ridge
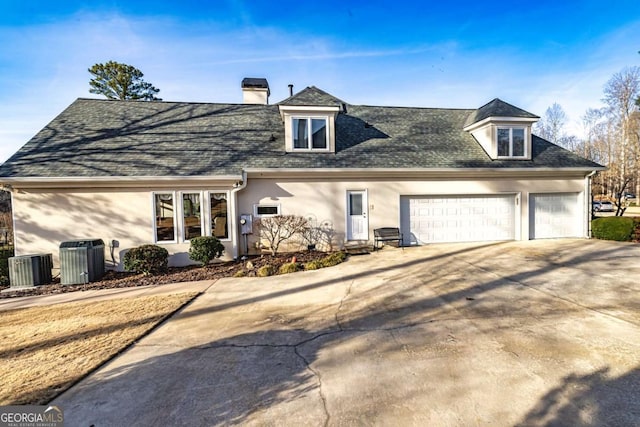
411, 107
138, 101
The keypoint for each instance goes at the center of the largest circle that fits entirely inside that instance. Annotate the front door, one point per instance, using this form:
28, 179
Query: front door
357, 222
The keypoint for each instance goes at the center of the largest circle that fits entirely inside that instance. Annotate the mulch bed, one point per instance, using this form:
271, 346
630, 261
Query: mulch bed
116, 279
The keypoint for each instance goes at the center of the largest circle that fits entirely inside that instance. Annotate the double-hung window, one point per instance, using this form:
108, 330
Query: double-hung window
310, 133
165, 217
191, 216
511, 142
219, 224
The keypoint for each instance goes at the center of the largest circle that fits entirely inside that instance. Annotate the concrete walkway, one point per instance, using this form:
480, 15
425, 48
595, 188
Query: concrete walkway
104, 294
519, 333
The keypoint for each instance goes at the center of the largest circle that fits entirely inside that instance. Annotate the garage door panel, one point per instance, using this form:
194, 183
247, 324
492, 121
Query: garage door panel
427, 219
555, 215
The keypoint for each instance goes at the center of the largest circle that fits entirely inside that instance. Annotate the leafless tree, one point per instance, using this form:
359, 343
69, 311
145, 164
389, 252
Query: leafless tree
619, 201
278, 229
551, 125
6, 220
592, 121
6, 228
620, 95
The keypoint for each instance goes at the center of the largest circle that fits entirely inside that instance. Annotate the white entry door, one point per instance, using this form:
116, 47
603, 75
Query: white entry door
357, 222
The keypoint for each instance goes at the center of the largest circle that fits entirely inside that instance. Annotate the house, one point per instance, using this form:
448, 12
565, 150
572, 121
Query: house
133, 173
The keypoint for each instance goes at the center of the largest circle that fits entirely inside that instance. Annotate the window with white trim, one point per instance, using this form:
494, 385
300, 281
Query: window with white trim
218, 210
179, 216
310, 133
511, 141
191, 216
266, 210
165, 217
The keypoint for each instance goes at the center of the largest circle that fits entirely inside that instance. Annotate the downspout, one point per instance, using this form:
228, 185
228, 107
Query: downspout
588, 204
234, 214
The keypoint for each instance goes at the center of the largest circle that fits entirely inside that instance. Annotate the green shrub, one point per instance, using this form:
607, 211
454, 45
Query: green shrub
333, 259
5, 253
328, 261
290, 267
266, 270
313, 265
240, 273
147, 259
613, 228
205, 248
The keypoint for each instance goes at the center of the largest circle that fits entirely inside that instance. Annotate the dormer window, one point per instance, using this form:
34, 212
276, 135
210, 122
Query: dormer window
310, 133
309, 119
511, 141
309, 129
502, 130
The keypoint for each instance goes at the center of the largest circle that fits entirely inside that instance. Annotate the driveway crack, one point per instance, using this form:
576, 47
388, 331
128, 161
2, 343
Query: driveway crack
337, 315
319, 379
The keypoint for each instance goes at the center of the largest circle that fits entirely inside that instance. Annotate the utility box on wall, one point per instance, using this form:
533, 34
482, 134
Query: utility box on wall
30, 270
246, 224
81, 261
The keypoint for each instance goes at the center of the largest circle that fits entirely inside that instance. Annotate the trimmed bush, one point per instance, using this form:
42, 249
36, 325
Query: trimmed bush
334, 259
313, 265
291, 267
615, 228
147, 259
203, 249
328, 261
265, 271
5, 254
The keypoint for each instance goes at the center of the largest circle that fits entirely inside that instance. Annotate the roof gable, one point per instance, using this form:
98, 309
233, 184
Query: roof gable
311, 96
497, 108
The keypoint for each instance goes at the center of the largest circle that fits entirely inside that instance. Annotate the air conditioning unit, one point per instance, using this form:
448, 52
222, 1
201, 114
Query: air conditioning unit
81, 261
30, 270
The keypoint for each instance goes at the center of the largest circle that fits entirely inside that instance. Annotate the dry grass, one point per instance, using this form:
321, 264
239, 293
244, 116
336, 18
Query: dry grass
44, 350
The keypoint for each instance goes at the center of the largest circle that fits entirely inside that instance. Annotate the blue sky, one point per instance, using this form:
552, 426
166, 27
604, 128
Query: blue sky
427, 54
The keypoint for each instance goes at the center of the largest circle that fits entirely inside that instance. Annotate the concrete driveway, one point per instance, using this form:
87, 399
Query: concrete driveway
520, 333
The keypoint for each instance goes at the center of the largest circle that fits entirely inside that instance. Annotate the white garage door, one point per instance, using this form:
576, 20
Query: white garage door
554, 215
427, 219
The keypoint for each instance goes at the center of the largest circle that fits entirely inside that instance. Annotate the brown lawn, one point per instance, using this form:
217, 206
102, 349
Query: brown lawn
45, 350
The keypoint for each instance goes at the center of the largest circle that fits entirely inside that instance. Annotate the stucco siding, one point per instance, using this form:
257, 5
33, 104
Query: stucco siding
324, 201
45, 218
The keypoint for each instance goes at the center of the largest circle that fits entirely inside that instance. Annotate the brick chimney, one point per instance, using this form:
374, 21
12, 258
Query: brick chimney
255, 91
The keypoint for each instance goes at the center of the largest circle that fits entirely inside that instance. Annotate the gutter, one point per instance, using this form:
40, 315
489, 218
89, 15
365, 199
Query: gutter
116, 181
588, 205
418, 172
118, 178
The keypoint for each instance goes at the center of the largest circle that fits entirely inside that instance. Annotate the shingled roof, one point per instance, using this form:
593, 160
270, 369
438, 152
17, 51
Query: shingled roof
497, 108
107, 138
312, 96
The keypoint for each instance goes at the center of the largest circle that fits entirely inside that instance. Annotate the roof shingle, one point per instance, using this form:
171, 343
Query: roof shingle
106, 138
311, 96
497, 108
